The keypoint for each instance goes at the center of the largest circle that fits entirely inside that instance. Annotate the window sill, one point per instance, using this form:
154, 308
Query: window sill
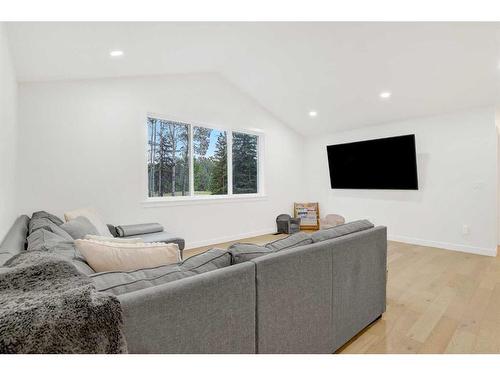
201, 200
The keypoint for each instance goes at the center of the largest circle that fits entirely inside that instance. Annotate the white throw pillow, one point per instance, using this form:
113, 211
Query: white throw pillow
93, 217
113, 239
111, 256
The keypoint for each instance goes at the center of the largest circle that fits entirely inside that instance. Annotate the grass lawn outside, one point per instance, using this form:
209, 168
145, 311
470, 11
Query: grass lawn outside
179, 193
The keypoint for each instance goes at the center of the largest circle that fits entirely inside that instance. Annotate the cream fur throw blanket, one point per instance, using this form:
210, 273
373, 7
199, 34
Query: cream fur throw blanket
47, 306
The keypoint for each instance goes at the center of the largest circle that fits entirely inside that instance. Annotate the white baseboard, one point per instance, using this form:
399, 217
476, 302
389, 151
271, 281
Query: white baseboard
445, 245
192, 245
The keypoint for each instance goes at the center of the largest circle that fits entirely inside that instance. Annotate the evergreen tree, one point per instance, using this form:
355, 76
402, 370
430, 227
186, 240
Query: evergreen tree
244, 163
218, 181
202, 165
201, 140
202, 171
164, 159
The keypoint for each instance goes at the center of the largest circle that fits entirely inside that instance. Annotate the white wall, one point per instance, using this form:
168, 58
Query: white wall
8, 137
457, 166
83, 144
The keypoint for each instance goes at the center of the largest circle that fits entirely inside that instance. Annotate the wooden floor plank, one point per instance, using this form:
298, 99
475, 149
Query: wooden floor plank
440, 337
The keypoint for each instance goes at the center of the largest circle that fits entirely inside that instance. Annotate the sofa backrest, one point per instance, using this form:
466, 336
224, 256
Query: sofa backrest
314, 298
15, 239
212, 312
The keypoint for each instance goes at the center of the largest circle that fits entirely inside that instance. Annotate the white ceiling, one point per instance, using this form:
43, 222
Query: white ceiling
337, 69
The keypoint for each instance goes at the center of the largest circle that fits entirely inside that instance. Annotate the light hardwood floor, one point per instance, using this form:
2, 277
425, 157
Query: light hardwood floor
438, 301
259, 240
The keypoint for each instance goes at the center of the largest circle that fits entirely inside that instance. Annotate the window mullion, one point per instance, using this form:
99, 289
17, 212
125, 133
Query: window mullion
260, 177
191, 162
229, 162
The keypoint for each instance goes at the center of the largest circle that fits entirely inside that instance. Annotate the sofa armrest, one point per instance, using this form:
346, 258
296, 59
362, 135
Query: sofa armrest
132, 230
153, 237
213, 312
112, 230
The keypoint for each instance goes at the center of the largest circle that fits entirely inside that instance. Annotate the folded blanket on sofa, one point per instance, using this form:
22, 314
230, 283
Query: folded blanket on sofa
136, 229
47, 306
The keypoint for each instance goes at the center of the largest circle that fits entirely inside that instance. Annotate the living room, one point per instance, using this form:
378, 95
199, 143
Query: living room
188, 177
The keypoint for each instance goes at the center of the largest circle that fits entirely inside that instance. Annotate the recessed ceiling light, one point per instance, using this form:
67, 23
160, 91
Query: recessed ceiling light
385, 94
116, 53
313, 113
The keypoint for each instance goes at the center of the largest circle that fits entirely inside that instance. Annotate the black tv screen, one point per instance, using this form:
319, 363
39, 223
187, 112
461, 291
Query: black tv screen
385, 163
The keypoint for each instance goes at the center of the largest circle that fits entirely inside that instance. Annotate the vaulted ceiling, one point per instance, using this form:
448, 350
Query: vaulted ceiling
336, 69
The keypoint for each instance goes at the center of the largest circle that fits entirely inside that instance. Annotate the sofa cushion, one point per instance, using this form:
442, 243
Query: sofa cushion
45, 215
79, 227
341, 230
294, 240
242, 252
125, 282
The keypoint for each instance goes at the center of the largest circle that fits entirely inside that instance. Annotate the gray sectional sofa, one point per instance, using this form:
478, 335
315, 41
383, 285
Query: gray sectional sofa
304, 294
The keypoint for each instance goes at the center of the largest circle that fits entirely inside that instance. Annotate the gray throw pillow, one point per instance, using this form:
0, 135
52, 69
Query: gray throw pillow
39, 223
46, 215
79, 227
341, 230
43, 239
294, 240
44, 223
242, 252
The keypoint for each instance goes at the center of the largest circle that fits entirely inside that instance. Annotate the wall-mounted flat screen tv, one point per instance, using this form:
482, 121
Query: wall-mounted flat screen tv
385, 163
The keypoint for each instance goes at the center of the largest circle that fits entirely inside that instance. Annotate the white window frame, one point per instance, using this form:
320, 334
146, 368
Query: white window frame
206, 199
